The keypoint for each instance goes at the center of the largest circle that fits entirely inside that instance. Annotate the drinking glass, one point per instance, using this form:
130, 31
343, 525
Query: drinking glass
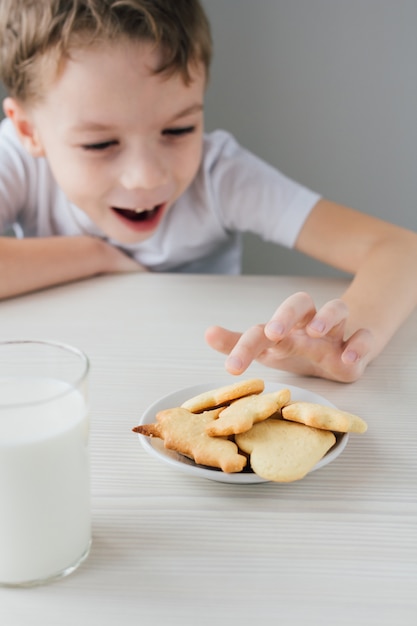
45, 512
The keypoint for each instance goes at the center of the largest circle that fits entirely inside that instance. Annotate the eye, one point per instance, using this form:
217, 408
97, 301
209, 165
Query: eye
178, 132
102, 145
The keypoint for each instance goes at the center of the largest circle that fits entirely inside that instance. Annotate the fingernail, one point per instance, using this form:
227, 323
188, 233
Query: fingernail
317, 325
350, 356
275, 328
234, 363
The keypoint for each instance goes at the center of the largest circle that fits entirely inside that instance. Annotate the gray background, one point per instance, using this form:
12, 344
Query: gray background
325, 90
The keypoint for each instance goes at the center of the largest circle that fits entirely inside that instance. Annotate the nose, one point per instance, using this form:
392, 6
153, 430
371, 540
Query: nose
143, 168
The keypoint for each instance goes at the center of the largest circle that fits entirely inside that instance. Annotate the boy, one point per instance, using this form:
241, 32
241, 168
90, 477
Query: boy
105, 166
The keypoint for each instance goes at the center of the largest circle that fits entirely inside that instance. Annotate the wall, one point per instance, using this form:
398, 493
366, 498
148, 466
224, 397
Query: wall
326, 90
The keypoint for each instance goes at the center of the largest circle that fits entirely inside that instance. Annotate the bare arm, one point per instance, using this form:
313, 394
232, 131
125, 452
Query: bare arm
31, 264
383, 259
339, 339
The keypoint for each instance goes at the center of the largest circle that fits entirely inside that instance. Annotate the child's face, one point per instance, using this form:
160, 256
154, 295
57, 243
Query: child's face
122, 142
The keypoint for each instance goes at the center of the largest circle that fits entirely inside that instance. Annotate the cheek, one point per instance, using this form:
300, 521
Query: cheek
75, 176
187, 163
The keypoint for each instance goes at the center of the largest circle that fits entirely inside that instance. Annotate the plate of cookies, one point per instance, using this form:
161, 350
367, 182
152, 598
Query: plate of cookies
246, 432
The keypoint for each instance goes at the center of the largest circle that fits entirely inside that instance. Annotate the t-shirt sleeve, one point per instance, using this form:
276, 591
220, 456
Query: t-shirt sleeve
249, 195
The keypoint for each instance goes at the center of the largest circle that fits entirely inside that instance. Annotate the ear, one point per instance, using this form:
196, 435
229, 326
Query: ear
24, 126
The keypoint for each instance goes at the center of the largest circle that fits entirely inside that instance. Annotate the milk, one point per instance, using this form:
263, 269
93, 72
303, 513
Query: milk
45, 524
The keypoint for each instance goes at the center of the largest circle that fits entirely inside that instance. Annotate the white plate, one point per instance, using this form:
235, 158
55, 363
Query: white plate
155, 447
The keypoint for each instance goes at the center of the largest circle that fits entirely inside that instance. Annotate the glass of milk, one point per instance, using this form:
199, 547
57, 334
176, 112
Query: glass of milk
45, 518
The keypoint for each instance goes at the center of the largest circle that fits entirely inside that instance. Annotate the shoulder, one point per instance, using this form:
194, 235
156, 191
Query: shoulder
227, 167
17, 164
250, 195
14, 157
8, 133
6, 127
224, 156
220, 145
233, 171
9, 141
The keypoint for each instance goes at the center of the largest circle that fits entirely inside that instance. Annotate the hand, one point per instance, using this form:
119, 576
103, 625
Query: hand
298, 338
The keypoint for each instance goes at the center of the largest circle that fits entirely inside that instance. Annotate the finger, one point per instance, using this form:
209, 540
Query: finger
221, 339
358, 347
296, 310
250, 345
331, 316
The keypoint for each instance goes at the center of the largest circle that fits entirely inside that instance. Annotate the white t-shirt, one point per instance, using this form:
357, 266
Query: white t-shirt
233, 192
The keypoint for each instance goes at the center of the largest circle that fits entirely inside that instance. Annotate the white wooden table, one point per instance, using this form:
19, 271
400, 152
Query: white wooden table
339, 547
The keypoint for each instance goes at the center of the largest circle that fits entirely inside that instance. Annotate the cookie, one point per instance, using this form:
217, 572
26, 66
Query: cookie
284, 451
325, 417
242, 414
184, 432
223, 395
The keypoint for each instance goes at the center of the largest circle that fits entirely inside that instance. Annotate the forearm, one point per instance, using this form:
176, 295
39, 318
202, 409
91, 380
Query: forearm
384, 290
382, 257
31, 264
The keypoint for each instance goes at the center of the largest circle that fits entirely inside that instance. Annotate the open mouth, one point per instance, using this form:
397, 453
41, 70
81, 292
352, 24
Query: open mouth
139, 215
